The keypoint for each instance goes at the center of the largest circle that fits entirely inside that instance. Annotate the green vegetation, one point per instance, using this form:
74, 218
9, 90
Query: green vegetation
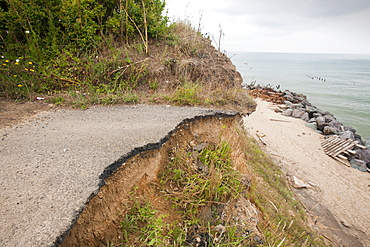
204, 179
143, 226
199, 182
85, 52
75, 45
46, 29
283, 221
199, 194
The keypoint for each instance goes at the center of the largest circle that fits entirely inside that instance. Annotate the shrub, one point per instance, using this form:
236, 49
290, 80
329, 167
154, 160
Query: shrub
41, 29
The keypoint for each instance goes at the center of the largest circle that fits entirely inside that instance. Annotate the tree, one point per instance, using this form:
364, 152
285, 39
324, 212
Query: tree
44, 28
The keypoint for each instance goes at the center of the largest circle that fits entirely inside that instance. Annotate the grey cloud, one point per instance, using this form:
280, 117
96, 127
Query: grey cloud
306, 8
291, 14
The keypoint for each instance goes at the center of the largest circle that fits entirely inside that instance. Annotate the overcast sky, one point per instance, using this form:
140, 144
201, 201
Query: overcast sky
303, 26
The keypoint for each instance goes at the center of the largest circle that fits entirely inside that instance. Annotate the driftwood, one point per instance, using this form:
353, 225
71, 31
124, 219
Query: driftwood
337, 148
261, 138
279, 120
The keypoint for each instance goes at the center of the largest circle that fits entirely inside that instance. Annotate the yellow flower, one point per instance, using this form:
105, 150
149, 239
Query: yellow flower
20, 85
14, 75
7, 61
32, 70
4, 64
26, 69
16, 63
29, 62
20, 57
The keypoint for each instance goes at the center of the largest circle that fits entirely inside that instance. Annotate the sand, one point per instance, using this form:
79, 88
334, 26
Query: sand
344, 191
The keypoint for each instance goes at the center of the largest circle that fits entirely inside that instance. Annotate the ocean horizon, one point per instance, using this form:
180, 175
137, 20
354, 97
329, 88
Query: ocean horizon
338, 83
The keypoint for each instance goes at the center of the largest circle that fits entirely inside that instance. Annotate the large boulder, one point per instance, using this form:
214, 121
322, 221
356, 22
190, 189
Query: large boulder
311, 125
347, 135
329, 117
321, 123
297, 106
349, 128
358, 164
362, 154
330, 130
359, 139
297, 113
311, 109
305, 117
335, 124
288, 104
288, 112
289, 97
312, 120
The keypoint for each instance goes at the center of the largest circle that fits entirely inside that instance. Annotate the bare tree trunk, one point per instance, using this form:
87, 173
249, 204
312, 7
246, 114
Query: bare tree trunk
126, 21
145, 28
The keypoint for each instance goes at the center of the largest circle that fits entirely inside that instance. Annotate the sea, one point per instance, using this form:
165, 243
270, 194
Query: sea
338, 83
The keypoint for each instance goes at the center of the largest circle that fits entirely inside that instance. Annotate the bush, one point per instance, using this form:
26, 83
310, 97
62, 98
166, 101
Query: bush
41, 29
62, 38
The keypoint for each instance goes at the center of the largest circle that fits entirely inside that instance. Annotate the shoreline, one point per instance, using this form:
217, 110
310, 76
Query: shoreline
337, 188
343, 93
297, 106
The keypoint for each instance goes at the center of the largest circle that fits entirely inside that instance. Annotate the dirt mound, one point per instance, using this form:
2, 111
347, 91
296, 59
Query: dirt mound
190, 57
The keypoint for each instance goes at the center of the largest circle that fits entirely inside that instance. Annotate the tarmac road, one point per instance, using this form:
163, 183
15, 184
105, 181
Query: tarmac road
51, 165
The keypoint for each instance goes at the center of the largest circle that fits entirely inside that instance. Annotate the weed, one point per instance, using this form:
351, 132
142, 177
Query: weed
153, 84
204, 180
283, 218
187, 94
130, 98
201, 186
57, 100
143, 225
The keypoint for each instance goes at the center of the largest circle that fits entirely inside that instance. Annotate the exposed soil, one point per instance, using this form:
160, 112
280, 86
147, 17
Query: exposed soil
100, 221
12, 113
54, 162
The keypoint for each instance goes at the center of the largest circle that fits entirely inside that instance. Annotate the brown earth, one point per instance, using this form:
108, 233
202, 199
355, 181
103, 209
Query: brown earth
12, 113
100, 221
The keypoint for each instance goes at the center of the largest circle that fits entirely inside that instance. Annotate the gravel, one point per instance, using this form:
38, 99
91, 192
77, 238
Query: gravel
50, 165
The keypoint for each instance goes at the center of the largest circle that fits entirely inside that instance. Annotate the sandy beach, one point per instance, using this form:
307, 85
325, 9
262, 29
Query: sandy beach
338, 200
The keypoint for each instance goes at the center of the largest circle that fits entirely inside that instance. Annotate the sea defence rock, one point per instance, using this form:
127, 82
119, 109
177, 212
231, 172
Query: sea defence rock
297, 106
359, 165
288, 112
297, 113
347, 135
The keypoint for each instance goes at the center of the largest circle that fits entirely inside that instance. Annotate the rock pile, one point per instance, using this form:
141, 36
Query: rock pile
297, 106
